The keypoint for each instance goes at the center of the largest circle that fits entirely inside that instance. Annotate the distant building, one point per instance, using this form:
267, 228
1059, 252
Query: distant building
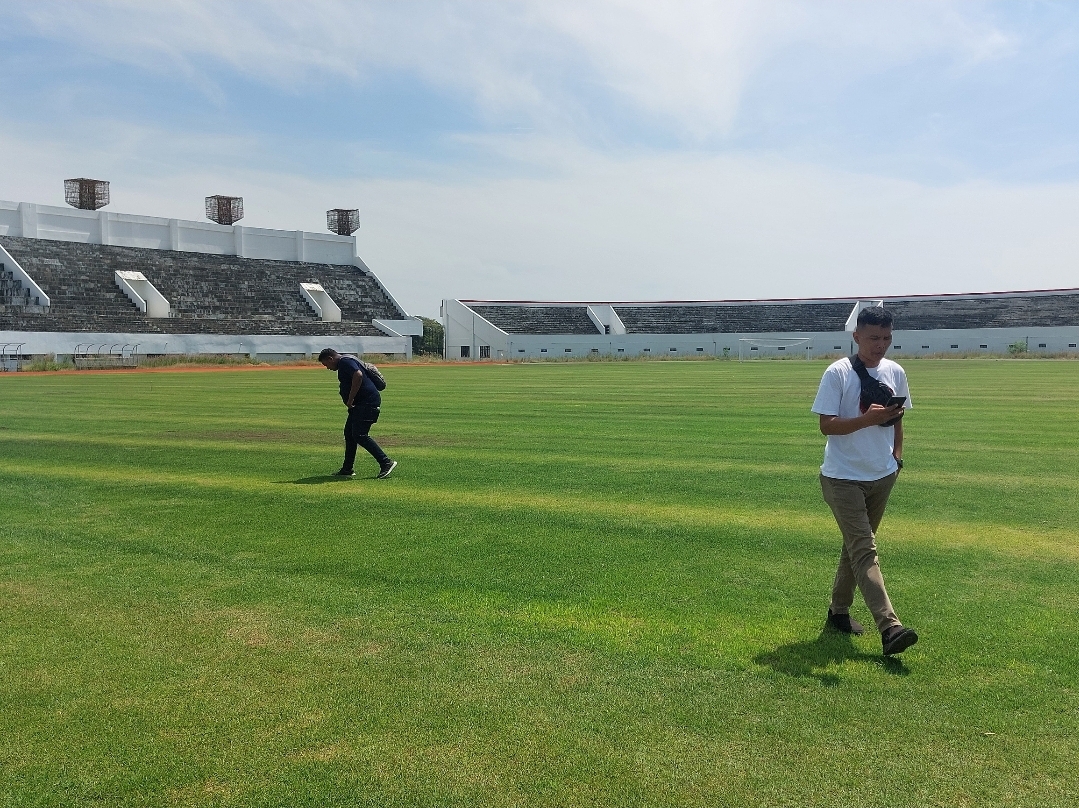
88, 282
1043, 321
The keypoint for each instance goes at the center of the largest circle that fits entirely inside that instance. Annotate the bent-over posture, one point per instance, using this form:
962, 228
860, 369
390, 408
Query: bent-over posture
862, 459
364, 404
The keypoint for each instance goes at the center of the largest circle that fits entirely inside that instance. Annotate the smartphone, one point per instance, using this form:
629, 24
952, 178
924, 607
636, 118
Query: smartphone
897, 401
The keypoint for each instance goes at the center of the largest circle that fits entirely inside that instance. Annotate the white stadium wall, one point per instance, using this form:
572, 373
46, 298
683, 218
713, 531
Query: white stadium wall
30, 220
464, 328
63, 345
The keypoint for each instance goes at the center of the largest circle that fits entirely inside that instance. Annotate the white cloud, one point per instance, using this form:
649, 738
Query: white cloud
685, 64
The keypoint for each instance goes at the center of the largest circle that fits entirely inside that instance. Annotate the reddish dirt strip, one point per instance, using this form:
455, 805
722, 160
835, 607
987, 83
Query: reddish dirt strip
223, 368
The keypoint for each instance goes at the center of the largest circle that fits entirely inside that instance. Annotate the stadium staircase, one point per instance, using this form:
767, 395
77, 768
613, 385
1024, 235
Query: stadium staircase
538, 319
208, 294
15, 298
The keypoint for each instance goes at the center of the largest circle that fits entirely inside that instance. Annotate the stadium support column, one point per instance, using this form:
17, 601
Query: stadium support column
103, 227
28, 220
238, 236
299, 246
174, 234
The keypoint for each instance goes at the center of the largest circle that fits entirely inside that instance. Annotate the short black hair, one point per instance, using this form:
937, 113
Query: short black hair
874, 315
326, 354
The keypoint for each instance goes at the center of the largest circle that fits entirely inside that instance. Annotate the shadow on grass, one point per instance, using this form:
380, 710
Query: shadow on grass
317, 480
813, 658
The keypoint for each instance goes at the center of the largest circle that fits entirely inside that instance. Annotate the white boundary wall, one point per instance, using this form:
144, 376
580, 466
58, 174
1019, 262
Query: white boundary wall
463, 327
41, 343
30, 220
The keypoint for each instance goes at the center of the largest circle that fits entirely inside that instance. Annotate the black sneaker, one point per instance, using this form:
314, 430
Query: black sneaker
898, 639
844, 623
344, 473
387, 470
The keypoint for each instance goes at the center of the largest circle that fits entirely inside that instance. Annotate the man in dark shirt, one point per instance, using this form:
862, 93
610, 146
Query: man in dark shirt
364, 404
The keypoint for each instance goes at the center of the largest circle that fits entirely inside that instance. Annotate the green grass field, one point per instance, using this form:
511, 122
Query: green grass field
595, 584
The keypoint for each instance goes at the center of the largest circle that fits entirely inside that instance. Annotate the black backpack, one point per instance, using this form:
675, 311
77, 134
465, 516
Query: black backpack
873, 391
372, 373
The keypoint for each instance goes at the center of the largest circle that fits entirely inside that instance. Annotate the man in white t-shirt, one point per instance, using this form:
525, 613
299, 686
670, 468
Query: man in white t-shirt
862, 458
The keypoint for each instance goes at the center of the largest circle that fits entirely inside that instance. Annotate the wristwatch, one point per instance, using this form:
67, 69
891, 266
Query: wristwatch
899, 462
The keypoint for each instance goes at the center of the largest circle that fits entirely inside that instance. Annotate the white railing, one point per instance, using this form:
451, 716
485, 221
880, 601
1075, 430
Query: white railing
90, 356
20, 274
319, 300
11, 352
142, 293
412, 327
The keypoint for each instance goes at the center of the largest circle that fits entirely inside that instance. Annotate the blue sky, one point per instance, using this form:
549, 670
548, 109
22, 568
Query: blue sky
579, 150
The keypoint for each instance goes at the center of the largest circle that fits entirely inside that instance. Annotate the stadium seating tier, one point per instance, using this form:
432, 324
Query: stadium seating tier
911, 314
1019, 311
735, 318
208, 294
538, 319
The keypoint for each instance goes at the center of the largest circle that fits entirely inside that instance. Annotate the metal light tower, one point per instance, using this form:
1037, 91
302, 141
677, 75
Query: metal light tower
224, 209
343, 221
86, 194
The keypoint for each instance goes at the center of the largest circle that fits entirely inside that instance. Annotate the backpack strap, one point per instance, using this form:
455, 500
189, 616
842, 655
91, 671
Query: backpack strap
873, 391
859, 367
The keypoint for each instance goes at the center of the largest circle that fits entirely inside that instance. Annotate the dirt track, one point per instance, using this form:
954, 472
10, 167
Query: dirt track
222, 368
172, 369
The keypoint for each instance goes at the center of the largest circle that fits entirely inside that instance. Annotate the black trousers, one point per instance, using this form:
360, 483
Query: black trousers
357, 433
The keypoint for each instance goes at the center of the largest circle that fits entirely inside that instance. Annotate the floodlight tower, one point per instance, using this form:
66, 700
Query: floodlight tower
224, 209
86, 194
343, 221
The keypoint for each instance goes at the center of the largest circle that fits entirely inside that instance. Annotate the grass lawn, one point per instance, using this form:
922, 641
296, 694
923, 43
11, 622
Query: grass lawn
595, 584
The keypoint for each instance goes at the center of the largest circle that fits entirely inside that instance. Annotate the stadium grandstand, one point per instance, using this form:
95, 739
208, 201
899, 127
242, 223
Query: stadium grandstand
96, 284
991, 323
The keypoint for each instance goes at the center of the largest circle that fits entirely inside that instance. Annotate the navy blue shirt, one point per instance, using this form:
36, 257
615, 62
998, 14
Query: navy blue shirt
347, 367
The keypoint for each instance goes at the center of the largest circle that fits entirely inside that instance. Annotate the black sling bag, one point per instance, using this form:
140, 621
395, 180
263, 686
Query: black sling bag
873, 391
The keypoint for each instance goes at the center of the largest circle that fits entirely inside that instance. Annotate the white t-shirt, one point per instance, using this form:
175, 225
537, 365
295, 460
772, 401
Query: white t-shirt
867, 453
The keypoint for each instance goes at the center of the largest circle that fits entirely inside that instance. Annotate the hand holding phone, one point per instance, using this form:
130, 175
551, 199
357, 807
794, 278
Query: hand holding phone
895, 401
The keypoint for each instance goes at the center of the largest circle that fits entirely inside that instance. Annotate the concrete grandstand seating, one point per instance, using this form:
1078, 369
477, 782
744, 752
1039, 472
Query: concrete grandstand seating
516, 319
1018, 311
209, 294
735, 318
911, 314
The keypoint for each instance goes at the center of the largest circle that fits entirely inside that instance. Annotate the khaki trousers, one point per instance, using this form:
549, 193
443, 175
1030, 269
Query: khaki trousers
858, 508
